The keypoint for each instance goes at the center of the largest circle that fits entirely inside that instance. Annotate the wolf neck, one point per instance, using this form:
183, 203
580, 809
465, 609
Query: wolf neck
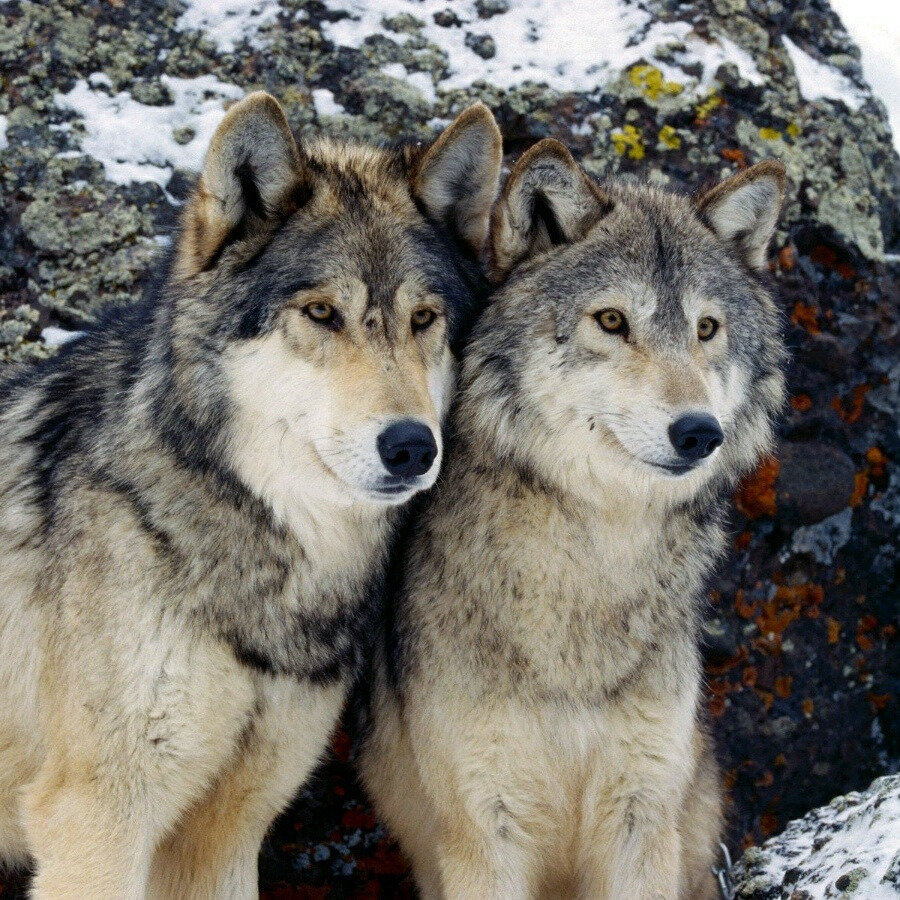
586, 596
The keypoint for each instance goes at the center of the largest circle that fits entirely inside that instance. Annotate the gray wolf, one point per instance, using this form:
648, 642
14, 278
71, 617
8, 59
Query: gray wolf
198, 496
534, 725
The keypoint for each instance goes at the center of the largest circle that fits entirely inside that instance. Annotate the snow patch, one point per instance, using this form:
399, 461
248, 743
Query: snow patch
570, 45
136, 142
875, 27
4, 141
228, 22
325, 104
818, 80
421, 81
56, 337
824, 539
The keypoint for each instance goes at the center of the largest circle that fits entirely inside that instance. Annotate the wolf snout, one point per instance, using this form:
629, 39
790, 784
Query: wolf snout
695, 436
407, 448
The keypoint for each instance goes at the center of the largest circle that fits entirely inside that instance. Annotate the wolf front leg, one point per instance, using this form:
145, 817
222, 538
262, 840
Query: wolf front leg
633, 851
213, 851
88, 839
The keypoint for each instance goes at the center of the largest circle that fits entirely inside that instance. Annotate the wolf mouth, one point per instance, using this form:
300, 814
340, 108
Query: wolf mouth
673, 469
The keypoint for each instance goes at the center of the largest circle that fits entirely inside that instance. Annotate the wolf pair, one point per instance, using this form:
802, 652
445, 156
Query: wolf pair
200, 496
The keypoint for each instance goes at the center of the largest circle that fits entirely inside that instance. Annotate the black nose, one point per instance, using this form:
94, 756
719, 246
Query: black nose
407, 448
695, 436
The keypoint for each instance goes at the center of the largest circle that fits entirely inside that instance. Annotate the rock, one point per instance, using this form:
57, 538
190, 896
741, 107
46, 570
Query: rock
481, 44
488, 8
848, 849
814, 481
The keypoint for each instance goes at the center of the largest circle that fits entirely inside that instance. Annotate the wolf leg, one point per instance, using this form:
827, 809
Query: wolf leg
212, 853
85, 844
634, 852
474, 867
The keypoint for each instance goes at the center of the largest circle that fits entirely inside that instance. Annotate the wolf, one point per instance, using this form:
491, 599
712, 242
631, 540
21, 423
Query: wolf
534, 723
197, 499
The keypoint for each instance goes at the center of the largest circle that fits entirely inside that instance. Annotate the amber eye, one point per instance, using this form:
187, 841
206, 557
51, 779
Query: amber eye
706, 328
422, 318
320, 312
612, 321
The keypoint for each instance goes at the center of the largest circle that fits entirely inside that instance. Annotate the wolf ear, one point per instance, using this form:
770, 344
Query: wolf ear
547, 200
743, 209
457, 177
252, 170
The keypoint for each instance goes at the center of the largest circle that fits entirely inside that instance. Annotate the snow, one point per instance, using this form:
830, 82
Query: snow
4, 141
875, 27
56, 337
228, 22
136, 142
325, 104
421, 81
819, 80
570, 45
857, 831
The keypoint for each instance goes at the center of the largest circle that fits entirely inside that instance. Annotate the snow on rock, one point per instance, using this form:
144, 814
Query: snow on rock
325, 104
848, 849
818, 80
4, 141
228, 22
569, 45
136, 142
56, 337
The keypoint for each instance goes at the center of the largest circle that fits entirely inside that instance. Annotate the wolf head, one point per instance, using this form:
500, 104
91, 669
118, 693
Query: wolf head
634, 342
328, 284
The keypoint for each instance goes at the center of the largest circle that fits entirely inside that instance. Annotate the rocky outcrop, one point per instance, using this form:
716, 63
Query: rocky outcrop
105, 109
848, 849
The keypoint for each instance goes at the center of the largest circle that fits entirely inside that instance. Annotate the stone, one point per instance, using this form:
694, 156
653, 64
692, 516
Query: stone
815, 481
847, 849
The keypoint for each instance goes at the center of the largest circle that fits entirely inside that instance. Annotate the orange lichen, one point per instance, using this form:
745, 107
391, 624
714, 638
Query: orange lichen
736, 156
746, 609
801, 402
877, 461
807, 706
756, 494
806, 316
783, 685
834, 630
786, 258
860, 485
878, 701
851, 410
767, 779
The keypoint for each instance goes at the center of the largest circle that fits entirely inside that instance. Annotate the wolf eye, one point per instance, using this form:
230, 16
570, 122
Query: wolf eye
422, 318
321, 312
706, 328
612, 321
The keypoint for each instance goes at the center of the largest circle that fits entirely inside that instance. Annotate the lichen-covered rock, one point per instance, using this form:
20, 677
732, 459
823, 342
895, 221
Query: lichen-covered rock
801, 639
848, 849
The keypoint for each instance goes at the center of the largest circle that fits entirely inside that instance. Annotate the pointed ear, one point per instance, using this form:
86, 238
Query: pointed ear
743, 210
547, 200
457, 177
252, 172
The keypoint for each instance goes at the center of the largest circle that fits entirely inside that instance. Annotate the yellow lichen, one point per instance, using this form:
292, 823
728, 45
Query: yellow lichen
668, 137
628, 140
652, 83
793, 130
769, 134
708, 105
